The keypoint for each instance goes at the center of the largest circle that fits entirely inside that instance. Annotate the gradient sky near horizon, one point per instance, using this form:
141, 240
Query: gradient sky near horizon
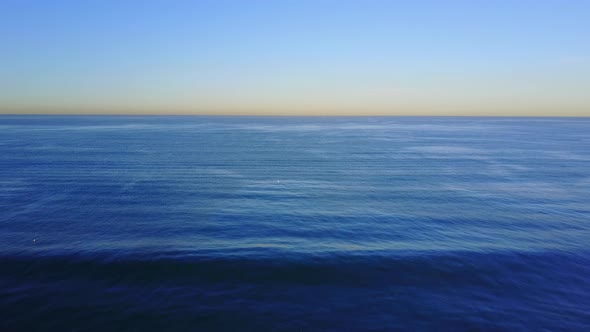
324, 57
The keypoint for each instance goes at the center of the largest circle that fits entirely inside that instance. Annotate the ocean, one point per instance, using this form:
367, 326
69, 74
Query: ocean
203, 223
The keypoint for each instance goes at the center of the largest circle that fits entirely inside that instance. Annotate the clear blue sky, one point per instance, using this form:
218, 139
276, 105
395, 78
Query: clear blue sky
473, 57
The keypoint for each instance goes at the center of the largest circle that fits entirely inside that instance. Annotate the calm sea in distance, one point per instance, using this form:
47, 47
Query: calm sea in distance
173, 223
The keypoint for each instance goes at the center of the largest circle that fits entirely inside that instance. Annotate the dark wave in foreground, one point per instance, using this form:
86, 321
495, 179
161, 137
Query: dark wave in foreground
450, 292
346, 270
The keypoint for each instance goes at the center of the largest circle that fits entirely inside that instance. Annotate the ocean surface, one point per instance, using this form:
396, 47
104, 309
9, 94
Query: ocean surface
131, 223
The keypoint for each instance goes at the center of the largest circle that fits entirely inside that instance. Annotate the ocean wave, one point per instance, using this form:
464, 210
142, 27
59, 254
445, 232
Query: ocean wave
459, 268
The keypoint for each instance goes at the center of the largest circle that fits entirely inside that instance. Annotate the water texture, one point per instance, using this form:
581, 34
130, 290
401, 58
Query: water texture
156, 223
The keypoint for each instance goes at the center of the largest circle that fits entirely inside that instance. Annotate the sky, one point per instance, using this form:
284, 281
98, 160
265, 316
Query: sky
304, 57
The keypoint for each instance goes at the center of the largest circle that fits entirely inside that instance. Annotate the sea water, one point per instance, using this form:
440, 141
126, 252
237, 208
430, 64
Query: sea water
172, 223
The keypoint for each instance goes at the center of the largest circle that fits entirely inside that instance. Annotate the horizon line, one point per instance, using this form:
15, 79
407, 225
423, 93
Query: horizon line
296, 115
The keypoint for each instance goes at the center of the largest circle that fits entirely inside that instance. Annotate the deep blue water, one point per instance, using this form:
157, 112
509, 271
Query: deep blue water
294, 224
